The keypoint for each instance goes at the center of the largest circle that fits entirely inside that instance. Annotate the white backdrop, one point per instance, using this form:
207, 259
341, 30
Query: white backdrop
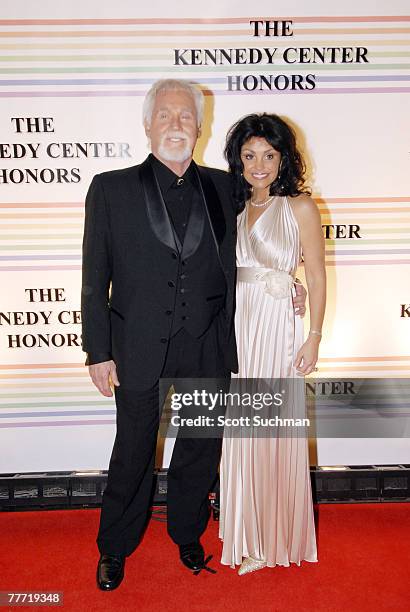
87, 66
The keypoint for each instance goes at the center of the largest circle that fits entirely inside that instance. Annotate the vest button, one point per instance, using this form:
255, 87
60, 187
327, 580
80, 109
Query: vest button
168, 312
174, 256
182, 290
163, 340
183, 276
183, 304
171, 284
184, 318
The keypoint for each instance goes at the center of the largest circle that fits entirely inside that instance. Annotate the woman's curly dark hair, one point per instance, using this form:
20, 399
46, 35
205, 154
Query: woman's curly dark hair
291, 178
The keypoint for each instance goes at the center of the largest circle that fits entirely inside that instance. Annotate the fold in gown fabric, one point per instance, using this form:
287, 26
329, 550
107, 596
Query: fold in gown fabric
266, 498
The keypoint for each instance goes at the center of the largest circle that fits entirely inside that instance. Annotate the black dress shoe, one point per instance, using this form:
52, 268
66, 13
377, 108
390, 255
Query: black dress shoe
110, 572
192, 555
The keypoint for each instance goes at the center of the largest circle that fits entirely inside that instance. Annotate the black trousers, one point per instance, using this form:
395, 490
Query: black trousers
194, 464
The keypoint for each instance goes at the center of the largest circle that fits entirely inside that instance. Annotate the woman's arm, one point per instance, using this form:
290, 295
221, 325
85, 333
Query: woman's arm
313, 249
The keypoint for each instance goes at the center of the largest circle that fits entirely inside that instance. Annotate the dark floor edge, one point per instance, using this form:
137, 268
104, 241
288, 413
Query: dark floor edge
73, 490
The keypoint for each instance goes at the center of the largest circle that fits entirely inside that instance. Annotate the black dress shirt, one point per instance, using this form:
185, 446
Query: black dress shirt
178, 193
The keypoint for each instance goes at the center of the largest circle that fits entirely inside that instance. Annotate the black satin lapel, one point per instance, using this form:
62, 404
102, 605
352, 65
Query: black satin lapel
213, 204
195, 228
157, 211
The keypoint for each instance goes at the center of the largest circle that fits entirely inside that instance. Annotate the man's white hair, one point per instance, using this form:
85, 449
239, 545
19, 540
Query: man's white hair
173, 85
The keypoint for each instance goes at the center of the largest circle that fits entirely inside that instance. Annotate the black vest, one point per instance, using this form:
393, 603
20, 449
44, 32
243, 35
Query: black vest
200, 282
193, 279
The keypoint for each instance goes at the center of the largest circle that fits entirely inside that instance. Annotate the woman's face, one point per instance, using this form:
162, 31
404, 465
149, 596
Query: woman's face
260, 162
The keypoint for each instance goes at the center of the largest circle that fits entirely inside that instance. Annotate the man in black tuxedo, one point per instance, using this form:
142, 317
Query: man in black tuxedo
158, 302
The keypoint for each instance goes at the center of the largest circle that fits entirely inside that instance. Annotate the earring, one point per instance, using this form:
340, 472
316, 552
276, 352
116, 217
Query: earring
277, 179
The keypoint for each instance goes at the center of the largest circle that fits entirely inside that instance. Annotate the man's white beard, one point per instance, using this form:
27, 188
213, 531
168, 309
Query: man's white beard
172, 155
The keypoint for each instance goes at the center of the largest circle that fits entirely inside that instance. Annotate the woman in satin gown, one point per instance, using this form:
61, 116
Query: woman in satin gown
266, 516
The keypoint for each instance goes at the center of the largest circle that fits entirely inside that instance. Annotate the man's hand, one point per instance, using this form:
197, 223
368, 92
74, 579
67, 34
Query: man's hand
299, 301
104, 376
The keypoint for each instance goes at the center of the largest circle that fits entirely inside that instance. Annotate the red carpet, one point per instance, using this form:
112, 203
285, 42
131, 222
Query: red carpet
364, 564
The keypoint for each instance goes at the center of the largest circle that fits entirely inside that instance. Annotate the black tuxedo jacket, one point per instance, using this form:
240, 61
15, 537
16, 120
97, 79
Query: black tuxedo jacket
129, 252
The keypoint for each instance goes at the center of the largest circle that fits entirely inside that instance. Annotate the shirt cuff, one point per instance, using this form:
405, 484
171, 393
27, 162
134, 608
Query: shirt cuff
93, 358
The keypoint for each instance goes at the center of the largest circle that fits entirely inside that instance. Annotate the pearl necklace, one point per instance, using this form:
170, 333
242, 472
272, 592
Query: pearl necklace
261, 204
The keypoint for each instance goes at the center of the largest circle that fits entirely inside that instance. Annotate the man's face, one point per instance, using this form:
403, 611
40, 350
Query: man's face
174, 129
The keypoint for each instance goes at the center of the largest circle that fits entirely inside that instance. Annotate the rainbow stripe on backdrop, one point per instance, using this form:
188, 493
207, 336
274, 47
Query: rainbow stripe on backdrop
51, 395
125, 51
61, 394
47, 236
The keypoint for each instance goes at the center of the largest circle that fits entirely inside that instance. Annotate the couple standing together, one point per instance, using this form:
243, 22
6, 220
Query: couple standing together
162, 243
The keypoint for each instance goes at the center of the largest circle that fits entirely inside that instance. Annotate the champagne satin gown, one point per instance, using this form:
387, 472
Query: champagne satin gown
266, 498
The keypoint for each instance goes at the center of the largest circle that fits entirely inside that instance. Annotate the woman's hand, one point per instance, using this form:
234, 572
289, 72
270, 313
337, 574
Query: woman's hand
307, 356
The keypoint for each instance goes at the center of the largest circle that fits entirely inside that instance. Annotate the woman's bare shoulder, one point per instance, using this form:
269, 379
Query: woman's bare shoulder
303, 206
